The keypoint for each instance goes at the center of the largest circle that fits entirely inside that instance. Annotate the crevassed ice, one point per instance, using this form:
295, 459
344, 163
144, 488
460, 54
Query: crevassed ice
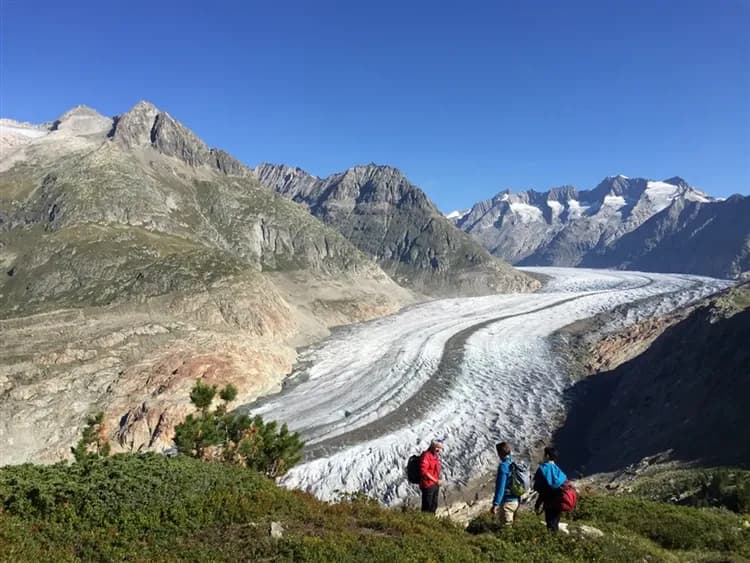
472, 371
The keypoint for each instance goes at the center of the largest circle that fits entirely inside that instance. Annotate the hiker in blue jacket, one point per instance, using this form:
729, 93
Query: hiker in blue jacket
504, 501
547, 482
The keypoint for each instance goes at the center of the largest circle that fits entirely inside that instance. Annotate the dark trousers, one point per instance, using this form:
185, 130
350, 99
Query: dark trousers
430, 499
552, 518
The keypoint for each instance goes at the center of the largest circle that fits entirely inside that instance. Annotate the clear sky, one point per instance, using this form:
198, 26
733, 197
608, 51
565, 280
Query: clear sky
467, 98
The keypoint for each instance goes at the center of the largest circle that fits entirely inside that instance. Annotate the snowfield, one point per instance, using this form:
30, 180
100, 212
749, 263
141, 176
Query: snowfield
470, 370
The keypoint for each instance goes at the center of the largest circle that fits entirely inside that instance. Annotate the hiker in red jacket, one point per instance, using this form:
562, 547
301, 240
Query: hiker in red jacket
429, 468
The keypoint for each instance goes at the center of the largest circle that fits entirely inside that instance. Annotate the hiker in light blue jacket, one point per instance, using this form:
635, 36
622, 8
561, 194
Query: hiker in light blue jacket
547, 482
504, 501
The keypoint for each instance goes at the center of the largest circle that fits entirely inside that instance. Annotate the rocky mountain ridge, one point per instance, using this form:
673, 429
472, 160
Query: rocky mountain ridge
394, 222
135, 259
621, 223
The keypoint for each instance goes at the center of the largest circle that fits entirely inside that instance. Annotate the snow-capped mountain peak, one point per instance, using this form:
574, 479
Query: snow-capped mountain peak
456, 215
561, 225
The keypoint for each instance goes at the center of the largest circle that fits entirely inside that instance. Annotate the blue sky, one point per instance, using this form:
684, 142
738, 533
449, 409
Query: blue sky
466, 98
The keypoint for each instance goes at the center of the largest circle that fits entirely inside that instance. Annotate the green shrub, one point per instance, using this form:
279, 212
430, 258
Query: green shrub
146, 507
92, 443
236, 439
673, 527
723, 487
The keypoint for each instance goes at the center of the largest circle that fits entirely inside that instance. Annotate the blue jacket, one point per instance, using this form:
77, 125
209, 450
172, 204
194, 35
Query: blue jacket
548, 479
502, 483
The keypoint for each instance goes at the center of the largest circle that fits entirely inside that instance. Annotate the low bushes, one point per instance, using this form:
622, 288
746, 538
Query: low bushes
151, 508
672, 527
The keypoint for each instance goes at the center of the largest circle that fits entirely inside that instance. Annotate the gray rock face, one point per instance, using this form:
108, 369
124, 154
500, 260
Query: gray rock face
145, 126
134, 128
689, 236
133, 261
616, 225
226, 163
82, 120
394, 222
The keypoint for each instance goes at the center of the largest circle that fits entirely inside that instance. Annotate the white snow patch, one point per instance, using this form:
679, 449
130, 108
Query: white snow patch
613, 201
555, 206
15, 133
527, 213
20, 130
456, 215
695, 195
575, 209
661, 194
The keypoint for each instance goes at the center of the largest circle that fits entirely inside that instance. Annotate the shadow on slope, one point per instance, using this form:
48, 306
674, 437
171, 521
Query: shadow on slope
687, 393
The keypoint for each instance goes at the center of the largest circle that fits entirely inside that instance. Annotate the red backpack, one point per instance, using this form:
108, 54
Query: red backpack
568, 497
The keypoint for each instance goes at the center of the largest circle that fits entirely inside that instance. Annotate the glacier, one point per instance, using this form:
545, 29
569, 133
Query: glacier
470, 370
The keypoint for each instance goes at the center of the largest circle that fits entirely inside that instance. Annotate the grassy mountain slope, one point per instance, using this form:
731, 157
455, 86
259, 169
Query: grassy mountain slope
150, 508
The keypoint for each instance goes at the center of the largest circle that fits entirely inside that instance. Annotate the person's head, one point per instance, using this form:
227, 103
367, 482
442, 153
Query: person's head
503, 449
436, 446
550, 454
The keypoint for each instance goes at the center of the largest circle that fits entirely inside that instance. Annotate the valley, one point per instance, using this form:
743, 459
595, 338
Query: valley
470, 370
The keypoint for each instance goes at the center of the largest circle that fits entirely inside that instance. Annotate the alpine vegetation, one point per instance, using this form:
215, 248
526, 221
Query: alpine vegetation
220, 435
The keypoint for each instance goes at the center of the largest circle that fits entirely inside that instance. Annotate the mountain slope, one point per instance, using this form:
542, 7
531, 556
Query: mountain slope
688, 236
136, 259
679, 396
154, 508
394, 222
607, 226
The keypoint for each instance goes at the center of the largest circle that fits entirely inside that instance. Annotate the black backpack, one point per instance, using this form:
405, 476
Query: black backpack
413, 469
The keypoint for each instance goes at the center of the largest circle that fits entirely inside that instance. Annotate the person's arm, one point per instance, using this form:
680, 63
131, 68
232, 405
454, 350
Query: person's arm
500, 482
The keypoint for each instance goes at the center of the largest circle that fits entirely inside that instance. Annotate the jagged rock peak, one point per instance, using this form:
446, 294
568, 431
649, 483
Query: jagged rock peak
292, 182
563, 193
620, 186
227, 164
374, 177
145, 125
134, 127
172, 138
268, 169
144, 106
80, 110
677, 181
82, 120
376, 182
373, 170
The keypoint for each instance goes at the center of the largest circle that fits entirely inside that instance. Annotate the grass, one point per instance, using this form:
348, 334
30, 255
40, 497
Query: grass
721, 487
734, 300
151, 508
91, 265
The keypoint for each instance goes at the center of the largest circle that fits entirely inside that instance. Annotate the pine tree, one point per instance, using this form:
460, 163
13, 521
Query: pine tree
91, 445
238, 438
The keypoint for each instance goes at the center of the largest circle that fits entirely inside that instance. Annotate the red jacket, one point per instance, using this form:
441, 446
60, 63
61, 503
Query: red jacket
429, 463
